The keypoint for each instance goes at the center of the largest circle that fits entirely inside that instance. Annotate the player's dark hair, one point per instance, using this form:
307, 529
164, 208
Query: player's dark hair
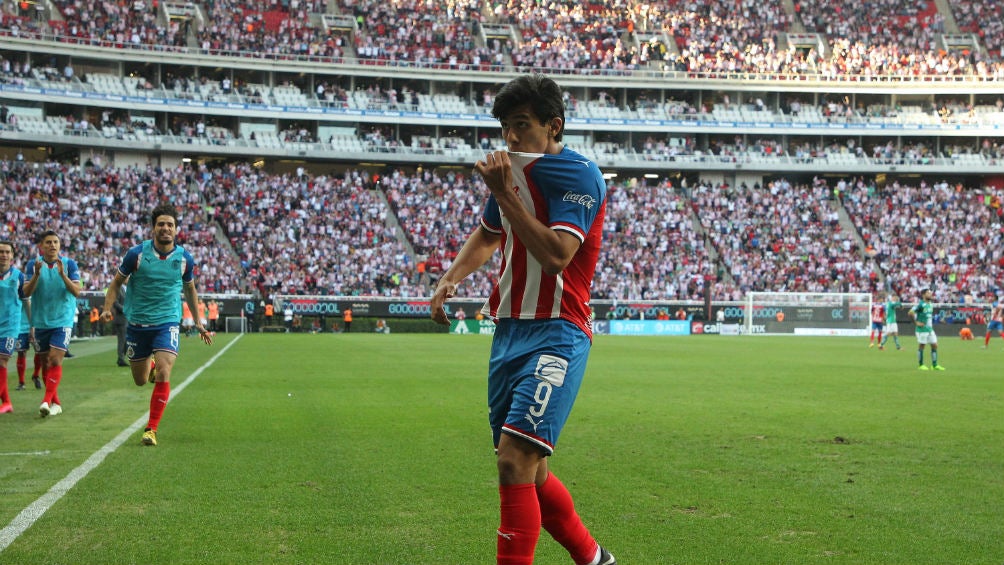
13, 249
165, 209
45, 234
540, 92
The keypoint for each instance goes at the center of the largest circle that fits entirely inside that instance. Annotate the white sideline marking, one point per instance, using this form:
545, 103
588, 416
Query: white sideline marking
36, 509
13, 453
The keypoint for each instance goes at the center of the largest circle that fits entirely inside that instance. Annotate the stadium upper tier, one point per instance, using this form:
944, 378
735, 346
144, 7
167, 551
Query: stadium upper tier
709, 38
649, 132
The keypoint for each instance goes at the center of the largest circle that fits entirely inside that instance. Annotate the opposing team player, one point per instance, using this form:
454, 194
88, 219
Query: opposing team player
891, 326
923, 317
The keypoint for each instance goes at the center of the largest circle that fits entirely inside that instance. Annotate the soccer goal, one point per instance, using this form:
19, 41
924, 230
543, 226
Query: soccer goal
807, 313
236, 324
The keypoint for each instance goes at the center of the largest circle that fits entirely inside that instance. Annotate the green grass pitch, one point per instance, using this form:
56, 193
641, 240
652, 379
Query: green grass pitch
374, 449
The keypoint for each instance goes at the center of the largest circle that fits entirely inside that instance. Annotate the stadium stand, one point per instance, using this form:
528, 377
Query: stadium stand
752, 146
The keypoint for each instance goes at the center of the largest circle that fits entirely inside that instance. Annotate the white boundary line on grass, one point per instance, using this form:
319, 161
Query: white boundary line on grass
36, 509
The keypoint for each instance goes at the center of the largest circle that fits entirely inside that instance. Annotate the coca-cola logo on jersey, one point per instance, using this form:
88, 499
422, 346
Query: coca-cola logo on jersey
583, 199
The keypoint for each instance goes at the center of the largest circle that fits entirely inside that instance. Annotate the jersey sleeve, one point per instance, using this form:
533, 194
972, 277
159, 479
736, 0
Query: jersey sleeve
72, 270
29, 269
130, 262
491, 218
188, 275
575, 191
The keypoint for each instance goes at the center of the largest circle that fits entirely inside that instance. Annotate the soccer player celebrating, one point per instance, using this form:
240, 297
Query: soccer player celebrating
891, 326
545, 212
923, 316
159, 271
54, 285
11, 295
996, 322
878, 322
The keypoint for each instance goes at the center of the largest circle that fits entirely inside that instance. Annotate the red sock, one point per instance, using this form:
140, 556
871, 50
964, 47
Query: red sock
871, 338
52, 377
558, 517
158, 402
520, 524
22, 364
4, 398
37, 366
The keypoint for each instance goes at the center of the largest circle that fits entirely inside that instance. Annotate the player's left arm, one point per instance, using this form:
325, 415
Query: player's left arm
192, 296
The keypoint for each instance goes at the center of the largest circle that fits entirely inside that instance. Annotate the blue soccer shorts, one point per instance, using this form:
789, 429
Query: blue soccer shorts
534, 374
8, 345
143, 341
52, 338
23, 342
995, 325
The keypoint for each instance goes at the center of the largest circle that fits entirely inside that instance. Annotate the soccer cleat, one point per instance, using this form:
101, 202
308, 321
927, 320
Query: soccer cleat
606, 558
37, 381
6, 408
55, 409
20, 386
923, 368
881, 348
152, 377
43, 410
871, 345
938, 368
149, 437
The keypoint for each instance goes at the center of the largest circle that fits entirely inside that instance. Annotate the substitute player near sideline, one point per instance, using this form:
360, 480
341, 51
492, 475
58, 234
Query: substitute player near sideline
11, 295
923, 317
54, 285
159, 271
545, 213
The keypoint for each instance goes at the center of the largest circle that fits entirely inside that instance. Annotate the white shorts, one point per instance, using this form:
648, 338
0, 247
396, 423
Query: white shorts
927, 337
892, 328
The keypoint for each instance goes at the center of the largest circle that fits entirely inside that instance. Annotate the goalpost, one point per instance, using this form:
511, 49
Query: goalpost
807, 313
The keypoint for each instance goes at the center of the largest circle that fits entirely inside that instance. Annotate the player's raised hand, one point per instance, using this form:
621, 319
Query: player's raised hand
496, 171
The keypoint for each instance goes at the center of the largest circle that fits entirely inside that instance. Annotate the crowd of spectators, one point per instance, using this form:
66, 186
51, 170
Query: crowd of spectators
436, 213
273, 30
305, 234
651, 250
427, 33
99, 212
783, 237
354, 233
119, 24
874, 40
933, 234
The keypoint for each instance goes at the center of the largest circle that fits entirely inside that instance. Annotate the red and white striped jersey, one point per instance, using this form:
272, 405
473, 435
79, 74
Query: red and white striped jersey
878, 313
566, 192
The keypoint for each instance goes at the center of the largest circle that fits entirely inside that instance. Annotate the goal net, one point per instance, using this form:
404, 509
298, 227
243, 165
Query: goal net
236, 324
807, 313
